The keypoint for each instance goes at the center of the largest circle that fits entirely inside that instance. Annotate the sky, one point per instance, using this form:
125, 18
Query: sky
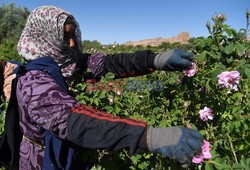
109, 21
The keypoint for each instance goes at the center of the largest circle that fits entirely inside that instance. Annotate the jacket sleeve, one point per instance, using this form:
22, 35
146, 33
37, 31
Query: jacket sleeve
52, 109
98, 130
122, 64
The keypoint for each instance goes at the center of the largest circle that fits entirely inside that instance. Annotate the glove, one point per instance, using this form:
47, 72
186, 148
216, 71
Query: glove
175, 142
173, 60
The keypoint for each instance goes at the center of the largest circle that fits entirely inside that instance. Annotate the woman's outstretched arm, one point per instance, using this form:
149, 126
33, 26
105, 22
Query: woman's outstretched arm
122, 65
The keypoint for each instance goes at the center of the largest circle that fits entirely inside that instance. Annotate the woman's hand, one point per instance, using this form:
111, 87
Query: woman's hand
178, 143
173, 60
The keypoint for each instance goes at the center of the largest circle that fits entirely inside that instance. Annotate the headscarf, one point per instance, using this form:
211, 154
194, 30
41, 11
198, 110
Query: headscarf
43, 36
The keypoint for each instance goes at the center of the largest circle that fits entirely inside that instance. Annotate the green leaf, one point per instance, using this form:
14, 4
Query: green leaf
110, 75
101, 94
213, 54
214, 47
225, 26
242, 147
229, 32
229, 48
201, 45
220, 65
177, 112
231, 127
239, 48
234, 32
238, 166
208, 85
209, 41
237, 125
208, 167
220, 165
214, 73
247, 70
230, 60
96, 101
117, 109
237, 96
203, 56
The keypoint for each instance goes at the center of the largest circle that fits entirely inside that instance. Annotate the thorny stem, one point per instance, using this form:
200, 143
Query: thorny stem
160, 163
210, 128
183, 118
126, 153
232, 147
213, 162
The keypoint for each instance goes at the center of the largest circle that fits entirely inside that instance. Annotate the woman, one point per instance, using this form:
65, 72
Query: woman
55, 126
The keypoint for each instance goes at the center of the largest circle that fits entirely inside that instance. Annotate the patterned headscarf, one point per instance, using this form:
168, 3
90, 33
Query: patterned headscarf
43, 35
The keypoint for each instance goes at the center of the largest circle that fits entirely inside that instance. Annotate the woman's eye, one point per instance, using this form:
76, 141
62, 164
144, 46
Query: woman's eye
66, 35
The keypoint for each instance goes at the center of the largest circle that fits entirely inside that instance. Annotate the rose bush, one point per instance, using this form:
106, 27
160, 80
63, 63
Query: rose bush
183, 99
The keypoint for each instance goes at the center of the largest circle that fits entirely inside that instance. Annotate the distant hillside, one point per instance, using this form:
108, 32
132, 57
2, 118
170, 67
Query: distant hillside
183, 38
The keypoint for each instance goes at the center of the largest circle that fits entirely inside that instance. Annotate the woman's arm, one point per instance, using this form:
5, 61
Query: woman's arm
52, 109
122, 64
139, 63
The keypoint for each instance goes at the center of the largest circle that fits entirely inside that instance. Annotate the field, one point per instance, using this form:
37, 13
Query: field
179, 101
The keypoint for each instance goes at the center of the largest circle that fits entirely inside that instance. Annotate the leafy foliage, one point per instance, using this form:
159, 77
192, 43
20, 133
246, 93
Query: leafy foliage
224, 50
8, 50
12, 21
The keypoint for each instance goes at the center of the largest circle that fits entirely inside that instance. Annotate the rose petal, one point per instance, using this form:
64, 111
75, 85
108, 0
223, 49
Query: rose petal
229, 79
205, 153
191, 71
197, 160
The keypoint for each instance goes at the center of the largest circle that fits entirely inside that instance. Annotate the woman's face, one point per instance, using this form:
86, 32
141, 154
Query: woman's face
69, 35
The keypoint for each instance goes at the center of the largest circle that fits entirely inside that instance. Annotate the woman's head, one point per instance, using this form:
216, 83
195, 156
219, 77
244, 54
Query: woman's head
51, 31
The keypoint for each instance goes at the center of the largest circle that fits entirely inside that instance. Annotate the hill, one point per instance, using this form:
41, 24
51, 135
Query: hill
183, 38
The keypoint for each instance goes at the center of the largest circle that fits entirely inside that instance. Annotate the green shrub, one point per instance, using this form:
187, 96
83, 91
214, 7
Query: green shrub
228, 133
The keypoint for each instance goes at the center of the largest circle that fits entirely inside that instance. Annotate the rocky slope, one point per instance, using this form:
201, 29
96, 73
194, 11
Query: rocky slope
183, 38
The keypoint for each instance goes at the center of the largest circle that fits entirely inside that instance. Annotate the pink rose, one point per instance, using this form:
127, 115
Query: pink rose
118, 93
111, 100
205, 153
202, 89
206, 114
185, 104
229, 79
191, 71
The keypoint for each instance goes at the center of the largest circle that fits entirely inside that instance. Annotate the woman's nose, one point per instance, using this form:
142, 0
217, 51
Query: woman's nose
72, 43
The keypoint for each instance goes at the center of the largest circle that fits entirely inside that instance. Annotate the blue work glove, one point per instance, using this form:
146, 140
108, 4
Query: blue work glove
173, 60
178, 143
